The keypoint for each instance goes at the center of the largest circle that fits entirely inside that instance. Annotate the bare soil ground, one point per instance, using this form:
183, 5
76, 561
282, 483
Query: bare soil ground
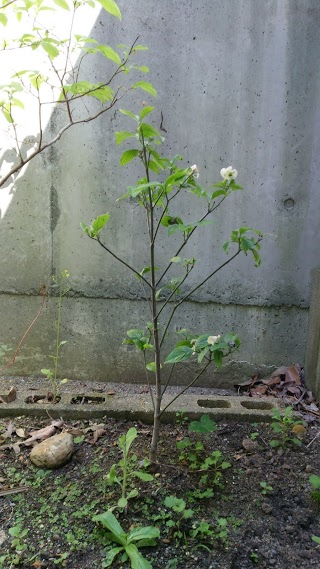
245, 527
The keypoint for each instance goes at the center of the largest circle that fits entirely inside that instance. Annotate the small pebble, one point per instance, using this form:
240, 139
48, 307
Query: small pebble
266, 508
309, 468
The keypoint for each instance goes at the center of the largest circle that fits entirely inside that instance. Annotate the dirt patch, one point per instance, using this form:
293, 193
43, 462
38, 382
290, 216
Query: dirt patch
236, 523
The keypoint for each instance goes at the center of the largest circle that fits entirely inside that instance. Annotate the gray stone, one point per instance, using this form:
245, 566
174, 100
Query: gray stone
53, 452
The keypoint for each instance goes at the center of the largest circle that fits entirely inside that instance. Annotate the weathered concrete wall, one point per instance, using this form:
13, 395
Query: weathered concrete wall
238, 83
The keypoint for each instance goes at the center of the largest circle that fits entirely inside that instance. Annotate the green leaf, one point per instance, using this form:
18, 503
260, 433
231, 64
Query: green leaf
151, 367
218, 193
137, 560
135, 334
125, 441
144, 476
153, 166
175, 260
122, 502
128, 155
314, 481
169, 220
316, 539
123, 135
111, 7
51, 50
3, 19
148, 87
129, 114
100, 222
149, 131
108, 52
179, 354
7, 115
218, 358
62, 3
17, 103
110, 556
174, 503
204, 426
108, 520
145, 111
136, 190
148, 532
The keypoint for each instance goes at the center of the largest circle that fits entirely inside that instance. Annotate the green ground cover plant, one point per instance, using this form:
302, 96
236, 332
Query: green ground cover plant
283, 425
58, 518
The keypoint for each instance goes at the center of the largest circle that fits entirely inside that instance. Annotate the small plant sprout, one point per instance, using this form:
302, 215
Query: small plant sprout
122, 473
285, 425
61, 283
179, 513
205, 425
265, 488
315, 483
128, 544
164, 282
254, 557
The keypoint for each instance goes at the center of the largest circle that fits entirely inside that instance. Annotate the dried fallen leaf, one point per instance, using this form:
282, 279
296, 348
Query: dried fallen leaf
20, 433
75, 432
111, 393
12, 395
16, 448
97, 434
95, 427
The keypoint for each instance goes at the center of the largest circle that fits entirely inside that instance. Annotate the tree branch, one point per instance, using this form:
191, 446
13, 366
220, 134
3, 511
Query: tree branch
194, 290
188, 386
121, 260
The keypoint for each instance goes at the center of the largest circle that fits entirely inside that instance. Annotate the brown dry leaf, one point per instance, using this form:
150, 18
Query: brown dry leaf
95, 427
57, 424
294, 373
20, 433
16, 448
12, 395
272, 380
42, 434
259, 391
9, 430
97, 434
75, 432
110, 393
299, 429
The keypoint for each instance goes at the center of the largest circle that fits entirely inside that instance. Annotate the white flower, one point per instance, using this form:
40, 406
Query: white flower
229, 173
213, 339
194, 171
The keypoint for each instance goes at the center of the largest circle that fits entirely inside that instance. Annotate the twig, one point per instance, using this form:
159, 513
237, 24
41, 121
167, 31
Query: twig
313, 439
14, 490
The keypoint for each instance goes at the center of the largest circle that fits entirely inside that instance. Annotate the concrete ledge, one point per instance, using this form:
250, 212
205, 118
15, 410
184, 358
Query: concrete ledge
139, 407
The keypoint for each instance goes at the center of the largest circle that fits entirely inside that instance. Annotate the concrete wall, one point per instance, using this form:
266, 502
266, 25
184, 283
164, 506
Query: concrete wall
238, 83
